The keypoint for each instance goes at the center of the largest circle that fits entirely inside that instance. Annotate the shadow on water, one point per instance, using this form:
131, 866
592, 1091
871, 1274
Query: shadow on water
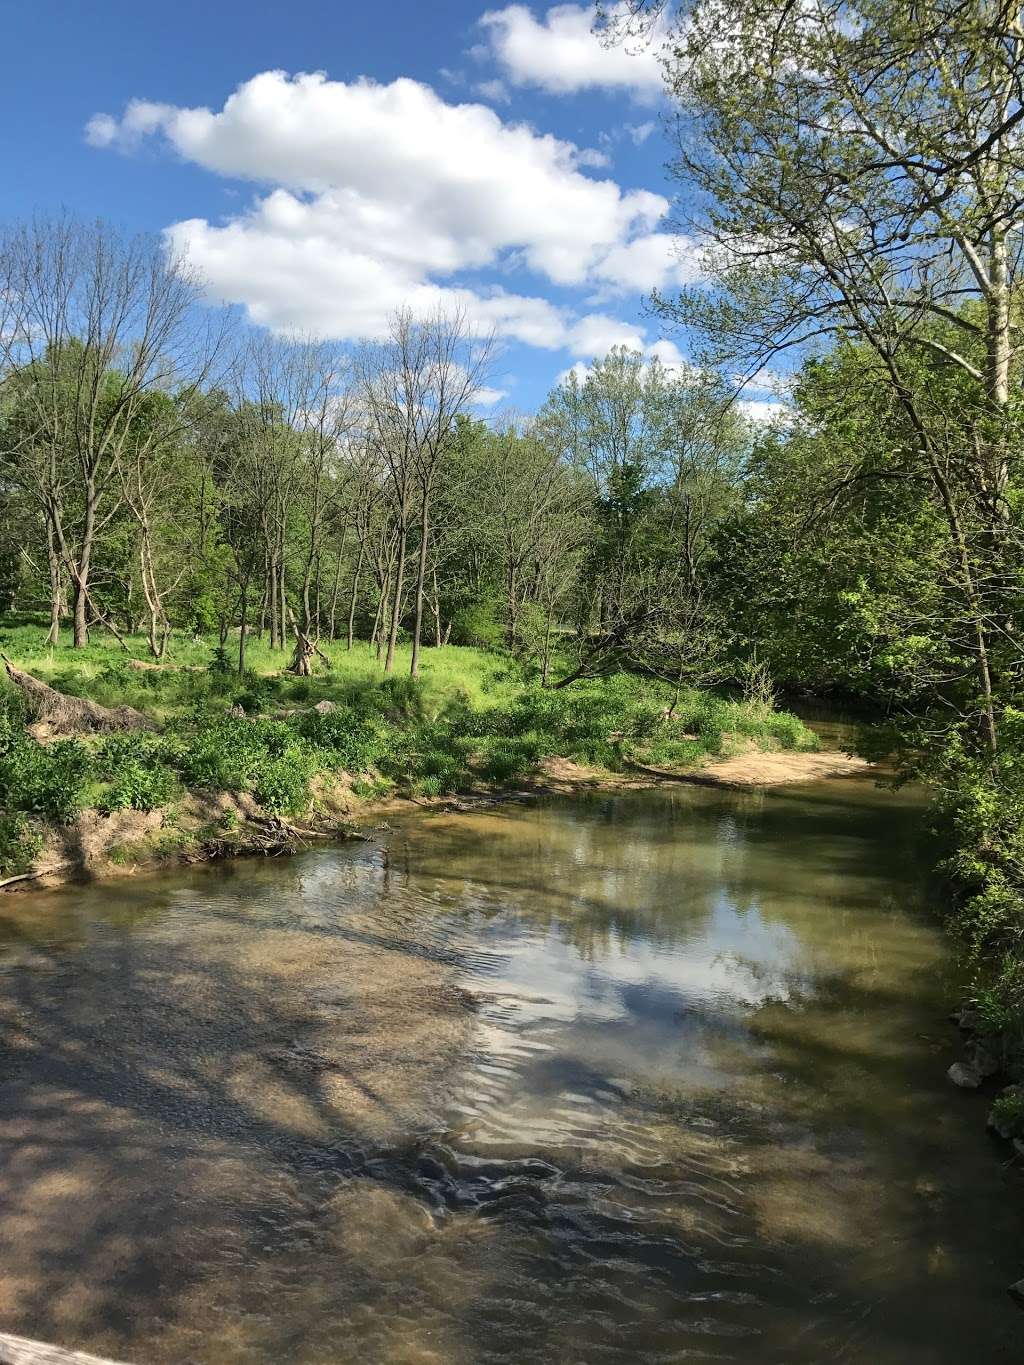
654, 1077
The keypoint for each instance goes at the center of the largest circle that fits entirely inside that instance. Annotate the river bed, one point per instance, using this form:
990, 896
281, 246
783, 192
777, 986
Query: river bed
639, 1077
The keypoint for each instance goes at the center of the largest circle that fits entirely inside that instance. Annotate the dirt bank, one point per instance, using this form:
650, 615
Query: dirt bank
758, 769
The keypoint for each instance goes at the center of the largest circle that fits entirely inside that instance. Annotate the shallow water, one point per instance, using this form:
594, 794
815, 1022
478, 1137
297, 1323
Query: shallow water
654, 1077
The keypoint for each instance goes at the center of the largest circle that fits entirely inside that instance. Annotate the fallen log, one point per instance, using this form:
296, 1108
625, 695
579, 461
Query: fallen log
56, 713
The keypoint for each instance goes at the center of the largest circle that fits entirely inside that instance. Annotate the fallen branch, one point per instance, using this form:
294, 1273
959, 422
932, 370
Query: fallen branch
32, 876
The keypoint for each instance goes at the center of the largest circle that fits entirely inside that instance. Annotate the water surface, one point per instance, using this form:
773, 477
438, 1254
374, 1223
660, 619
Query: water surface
647, 1077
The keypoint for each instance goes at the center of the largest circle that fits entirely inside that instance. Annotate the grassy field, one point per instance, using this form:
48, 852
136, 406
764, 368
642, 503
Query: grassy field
472, 717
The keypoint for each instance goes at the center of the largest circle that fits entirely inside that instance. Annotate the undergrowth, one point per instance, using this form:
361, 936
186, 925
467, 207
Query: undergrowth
473, 716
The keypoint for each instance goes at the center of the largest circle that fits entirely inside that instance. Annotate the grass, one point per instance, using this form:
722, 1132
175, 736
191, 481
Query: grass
472, 716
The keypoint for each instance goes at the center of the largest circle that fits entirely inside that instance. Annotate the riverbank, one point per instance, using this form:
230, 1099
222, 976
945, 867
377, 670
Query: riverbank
108, 761
211, 827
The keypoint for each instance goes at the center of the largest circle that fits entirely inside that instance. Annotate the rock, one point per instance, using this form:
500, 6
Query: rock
968, 1019
983, 1061
1018, 1146
325, 707
964, 1075
1016, 1292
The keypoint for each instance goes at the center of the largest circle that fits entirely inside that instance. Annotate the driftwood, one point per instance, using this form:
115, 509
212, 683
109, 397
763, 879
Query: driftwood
58, 714
21, 1351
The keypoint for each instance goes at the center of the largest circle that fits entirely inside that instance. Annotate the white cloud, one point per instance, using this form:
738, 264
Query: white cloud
495, 91
487, 397
762, 409
595, 335
379, 195
656, 260
562, 54
640, 132
666, 352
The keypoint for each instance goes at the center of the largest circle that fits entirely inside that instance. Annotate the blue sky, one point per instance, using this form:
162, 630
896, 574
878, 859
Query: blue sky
499, 159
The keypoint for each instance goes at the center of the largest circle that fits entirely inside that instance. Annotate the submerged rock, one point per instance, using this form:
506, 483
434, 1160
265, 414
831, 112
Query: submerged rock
964, 1075
982, 1060
968, 1019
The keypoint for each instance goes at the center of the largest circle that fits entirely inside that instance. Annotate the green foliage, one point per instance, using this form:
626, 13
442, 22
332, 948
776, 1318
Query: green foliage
471, 716
479, 624
1008, 1112
39, 779
138, 786
19, 844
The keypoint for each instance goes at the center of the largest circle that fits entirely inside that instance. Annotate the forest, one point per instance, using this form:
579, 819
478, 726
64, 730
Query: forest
226, 510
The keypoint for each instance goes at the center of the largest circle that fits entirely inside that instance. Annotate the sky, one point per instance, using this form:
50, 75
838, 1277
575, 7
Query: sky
323, 163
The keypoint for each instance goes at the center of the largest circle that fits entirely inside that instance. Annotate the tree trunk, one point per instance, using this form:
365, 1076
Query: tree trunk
243, 614
396, 609
336, 589
354, 597
437, 613
56, 587
421, 574
545, 669
272, 595
81, 626
1000, 350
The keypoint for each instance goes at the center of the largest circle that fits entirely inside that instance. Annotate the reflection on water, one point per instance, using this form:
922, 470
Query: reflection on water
652, 1077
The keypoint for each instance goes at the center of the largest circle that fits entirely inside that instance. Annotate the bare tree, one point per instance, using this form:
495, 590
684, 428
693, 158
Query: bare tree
414, 388
95, 325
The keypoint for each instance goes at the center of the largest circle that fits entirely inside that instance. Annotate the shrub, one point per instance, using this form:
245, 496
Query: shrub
479, 624
139, 786
48, 780
345, 739
281, 785
1008, 1112
403, 698
18, 844
266, 757
128, 747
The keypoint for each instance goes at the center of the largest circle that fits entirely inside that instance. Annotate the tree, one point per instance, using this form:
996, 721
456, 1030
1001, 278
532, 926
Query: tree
857, 170
95, 325
414, 387
661, 455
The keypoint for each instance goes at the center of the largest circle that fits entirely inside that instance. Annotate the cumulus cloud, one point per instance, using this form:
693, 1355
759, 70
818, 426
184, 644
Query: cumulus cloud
372, 196
561, 53
656, 260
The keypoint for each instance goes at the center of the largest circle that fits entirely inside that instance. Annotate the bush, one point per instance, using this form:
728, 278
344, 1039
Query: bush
345, 739
47, 780
1008, 1112
139, 786
479, 624
18, 845
265, 757
281, 785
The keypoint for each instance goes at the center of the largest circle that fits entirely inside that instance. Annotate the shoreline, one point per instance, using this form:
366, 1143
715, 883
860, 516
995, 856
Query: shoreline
212, 828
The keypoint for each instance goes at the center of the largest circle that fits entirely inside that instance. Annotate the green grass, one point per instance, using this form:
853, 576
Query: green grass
471, 716
99, 671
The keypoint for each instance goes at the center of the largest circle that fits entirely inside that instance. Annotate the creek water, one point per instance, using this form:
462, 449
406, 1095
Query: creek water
645, 1077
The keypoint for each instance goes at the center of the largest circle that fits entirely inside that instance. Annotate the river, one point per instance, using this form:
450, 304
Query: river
644, 1077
